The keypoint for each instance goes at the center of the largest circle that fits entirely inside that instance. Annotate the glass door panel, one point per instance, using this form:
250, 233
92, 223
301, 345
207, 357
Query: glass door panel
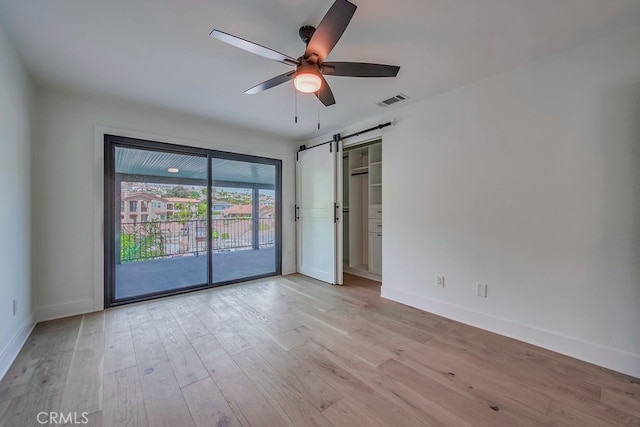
161, 224
244, 236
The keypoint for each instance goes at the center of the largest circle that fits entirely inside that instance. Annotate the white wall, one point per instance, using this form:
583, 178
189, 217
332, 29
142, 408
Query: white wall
68, 190
528, 181
16, 115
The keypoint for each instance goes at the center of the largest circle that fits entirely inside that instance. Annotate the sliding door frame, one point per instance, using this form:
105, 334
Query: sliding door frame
111, 193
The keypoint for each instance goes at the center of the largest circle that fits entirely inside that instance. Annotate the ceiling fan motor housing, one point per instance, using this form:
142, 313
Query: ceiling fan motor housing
306, 32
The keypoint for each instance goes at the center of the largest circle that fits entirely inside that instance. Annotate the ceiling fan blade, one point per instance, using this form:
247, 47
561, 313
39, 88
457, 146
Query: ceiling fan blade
253, 47
330, 30
325, 95
278, 80
358, 69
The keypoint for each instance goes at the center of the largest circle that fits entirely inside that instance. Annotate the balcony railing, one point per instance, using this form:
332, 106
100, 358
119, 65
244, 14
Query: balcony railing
161, 239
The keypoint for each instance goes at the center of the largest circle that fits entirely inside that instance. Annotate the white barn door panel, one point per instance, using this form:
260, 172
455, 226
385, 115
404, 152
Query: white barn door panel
317, 213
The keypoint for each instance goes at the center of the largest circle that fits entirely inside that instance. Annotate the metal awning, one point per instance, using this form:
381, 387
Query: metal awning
141, 165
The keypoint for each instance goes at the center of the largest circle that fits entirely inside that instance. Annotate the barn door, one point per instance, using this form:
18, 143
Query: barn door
318, 208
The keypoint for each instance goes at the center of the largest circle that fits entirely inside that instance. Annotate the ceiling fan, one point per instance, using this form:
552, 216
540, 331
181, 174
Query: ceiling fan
310, 68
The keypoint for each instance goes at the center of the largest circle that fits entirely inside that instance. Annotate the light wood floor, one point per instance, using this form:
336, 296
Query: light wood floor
293, 351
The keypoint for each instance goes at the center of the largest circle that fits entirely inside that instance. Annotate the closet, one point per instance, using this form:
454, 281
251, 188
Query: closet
362, 209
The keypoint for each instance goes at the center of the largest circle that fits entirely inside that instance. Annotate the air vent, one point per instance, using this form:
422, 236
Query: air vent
399, 97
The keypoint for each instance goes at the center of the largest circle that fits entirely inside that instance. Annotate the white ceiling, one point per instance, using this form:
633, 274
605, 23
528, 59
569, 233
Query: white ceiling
159, 51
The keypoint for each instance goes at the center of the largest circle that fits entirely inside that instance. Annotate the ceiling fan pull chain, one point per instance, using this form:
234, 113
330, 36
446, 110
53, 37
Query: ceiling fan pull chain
318, 114
295, 101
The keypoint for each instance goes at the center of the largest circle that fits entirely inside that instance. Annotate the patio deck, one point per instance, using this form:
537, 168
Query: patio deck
145, 277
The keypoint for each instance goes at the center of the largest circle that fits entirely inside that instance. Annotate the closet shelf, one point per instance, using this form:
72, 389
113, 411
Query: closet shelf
376, 185
375, 163
360, 169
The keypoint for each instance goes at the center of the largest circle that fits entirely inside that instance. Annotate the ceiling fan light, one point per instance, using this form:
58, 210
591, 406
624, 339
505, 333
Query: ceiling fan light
307, 82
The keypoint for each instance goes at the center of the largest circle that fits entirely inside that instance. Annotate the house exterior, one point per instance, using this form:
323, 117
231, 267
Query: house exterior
246, 211
176, 204
142, 207
219, 206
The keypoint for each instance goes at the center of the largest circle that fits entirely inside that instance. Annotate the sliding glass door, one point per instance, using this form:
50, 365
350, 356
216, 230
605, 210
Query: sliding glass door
180, 218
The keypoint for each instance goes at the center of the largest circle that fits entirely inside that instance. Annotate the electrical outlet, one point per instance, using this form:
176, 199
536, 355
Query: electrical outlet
440, 281
15, 307
481, 290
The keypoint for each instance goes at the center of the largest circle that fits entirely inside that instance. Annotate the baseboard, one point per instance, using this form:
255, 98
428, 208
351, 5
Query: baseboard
286, 270
57, 311
12, 349
611, 358
362, 273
